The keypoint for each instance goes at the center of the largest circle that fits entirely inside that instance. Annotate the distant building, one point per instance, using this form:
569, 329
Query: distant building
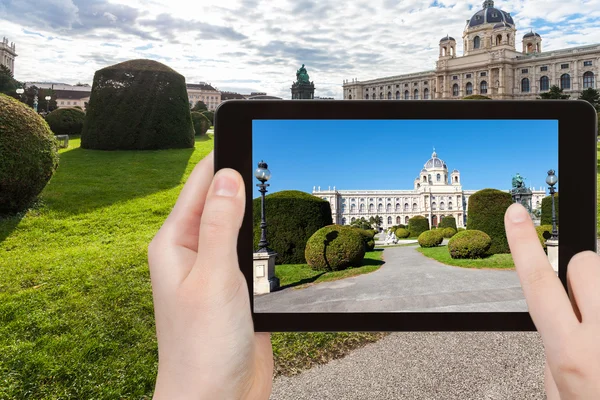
205, 93
8, 54
71, 98
60, 86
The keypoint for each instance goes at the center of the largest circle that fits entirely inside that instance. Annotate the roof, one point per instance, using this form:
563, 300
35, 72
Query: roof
71, 94
200, 86
490, 14
231, 96
530, 34
446, 38
263, 97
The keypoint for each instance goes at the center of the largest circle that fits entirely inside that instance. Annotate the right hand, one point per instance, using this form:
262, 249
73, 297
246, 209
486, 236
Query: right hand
569, 326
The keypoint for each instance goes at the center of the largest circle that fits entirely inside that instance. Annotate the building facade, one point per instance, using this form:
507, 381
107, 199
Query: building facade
490, 66
8, 54
203, 92
436, 193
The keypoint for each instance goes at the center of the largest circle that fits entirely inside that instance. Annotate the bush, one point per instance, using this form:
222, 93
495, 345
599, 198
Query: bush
461, 229
335, 247
486, 213
431, 238
368, 236
476, 97
29, 155
544, 232
138, 105
200, 122
447, 222
448, 232
418, 225
66, 121
292, 218
210, 115
469, 244
401, 226
402, 233
546, 218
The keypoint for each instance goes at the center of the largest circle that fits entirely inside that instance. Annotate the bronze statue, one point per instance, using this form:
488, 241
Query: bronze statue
518, 181
302, 75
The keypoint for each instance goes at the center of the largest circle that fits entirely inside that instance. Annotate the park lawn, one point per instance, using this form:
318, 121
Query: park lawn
300, 275
441, 254
76, 311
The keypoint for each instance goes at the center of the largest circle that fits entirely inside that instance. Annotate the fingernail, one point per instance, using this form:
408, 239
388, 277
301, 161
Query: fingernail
517, 213
226, 184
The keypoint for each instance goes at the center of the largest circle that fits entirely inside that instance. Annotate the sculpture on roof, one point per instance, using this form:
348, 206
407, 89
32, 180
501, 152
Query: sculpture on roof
302, 75
518, 181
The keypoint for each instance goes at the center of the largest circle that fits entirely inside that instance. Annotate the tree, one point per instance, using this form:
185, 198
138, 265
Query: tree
554, 93
200, 106
598, 121
8, 84
476, 97
592, 96
210, 115
29, 96
376, 220
361, 223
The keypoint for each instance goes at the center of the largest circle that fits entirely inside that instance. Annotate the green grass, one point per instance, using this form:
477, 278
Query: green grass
76, 311
300, 275
441, 254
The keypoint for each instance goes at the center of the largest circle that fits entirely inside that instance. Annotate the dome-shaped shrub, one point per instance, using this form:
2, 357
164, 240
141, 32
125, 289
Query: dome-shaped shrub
447, 222
418, 225
448, 232
402, 233
201, 123
431, 238
546, 218
486, 213
28, 155
335, 247
368, 236
469, 244
292, 217
544, 232
138, 105
66, 121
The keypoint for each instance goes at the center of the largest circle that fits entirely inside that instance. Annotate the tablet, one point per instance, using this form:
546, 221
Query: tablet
349, 203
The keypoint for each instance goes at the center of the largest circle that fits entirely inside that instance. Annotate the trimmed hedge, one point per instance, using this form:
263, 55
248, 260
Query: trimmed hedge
292, 218
449, 232
200, 122
368, 236
335, 247
431, 238
402, 233
544, 232
28, 155
138, 105
486, 213
476, 97
66, 121
546, 218
447, 222
418, 225
469, 244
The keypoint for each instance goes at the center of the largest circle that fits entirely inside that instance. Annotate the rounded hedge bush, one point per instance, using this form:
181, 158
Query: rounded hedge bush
138, 105
28, 155
292, 218
448, 232
461, 229
544, 232
447, 222
431, 238
368, 236
402, 233
418, 225
546, 218
335, 247
486, 213
469, 244
200, 122
66, 121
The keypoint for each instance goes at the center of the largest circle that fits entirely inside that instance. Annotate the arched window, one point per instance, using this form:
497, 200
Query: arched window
483, 87
565, 81
405, 206
544, 83
449, 205
433, 206
398, 95
588, 80
426, 94
442, 205
388, 208
414, 207
455, 90
416, 97
529, 47
525, 85
353, 208
424, 179
352, 220
498, 40
406, 219
438, 177
389, 220
476, 42
469, 88
343, 208
371, 207
343, 221
456, 179
406, 95
349, 97
398, 220
362, 208
429, 177
389, 95
379, 207
381, 96
367, 96
397, 206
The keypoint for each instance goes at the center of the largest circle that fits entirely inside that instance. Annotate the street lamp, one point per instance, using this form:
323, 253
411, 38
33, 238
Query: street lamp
263, 175
551, 180
47, 98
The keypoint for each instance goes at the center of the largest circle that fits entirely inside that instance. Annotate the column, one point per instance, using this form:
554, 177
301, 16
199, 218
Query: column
501, 78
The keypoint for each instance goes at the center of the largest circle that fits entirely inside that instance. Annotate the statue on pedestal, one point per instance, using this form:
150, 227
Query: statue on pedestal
303, 88
302, 76
520, 193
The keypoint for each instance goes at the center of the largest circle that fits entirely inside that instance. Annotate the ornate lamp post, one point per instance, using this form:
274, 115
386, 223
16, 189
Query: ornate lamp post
47, 98
20, 92
551, 180
263, 175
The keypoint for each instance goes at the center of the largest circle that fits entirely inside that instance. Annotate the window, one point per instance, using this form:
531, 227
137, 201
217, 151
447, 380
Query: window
379, 207
350, 97
468, 76
406, 85
353, 208
362, 208
68, 103
367, 96
565, 81
455, 78
371, 207
388, 208
544, 83
381, 87
483, 74
367, 89
416, 94
416, 83
587, 63
381, 96
398, 220
476, 42
524, 71
564, 66
426, 94
588, 80
449, 205
405, 206
389, 220
389, 87
442, 206
469, 88
425, 82
544, 68
389, 95
397, 86
483, 87
62, 103
525, 85
414, 208
343, 221
406, 95
455, 90
433, 206
438, 177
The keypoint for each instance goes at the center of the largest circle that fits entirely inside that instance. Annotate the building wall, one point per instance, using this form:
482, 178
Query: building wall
8, 54
212, 98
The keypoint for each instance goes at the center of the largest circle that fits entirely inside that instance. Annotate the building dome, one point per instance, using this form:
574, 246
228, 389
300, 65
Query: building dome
435, 162
502, 25
489, 15
530, 34
446, 38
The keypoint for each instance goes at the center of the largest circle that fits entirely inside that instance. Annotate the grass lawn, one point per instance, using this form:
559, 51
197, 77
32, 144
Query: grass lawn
76, 312
441, 254
300, 275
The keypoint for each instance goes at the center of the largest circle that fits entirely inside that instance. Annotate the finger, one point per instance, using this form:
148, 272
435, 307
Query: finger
583, 276
549, 384
546, 298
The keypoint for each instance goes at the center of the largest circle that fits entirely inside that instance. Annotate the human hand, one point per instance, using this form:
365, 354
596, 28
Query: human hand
207, 347
569, 326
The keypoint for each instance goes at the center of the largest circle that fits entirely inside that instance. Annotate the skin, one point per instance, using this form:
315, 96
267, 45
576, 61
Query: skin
207, 347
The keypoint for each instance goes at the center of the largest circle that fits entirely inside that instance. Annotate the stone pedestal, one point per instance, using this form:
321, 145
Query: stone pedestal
552, 246
265, 280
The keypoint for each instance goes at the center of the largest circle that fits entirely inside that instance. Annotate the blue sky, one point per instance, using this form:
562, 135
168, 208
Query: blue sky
389, 154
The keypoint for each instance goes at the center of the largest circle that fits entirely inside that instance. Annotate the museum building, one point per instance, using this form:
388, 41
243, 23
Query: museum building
490, 66
436, 194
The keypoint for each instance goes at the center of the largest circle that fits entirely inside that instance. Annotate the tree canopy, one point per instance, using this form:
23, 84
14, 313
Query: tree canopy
555, 93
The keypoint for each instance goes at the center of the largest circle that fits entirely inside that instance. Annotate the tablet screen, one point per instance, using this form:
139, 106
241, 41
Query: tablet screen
396, 215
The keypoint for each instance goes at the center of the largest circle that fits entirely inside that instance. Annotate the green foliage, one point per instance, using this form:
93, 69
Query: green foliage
376, 221
292, 218
592, 96
461, 229
418, 225
210, 115
447, 222
368, 237
469, 244
29, 155
8, 84
402, 233
201, 123
138, 105
361, 223
476, 97
199, 106
544, 232
431, 238
448, 232
486, 213
335, 247
598, 122
555, 93
66, 121
547, 209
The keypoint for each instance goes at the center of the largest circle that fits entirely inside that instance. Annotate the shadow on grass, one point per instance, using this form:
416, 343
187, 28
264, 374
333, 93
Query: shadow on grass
8, 224
369, 261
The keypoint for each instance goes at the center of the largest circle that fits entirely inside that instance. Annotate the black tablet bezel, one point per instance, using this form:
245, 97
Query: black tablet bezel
577, 176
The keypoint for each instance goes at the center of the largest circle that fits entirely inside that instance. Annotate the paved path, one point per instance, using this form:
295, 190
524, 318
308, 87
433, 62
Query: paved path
409, 282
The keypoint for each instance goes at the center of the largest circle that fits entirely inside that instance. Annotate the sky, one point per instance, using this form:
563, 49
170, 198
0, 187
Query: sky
389, 154
257, 45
